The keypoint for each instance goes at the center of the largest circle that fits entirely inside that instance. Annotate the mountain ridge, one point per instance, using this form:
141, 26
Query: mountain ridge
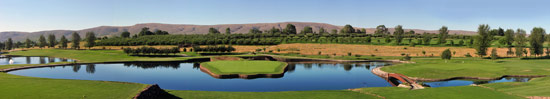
190, 29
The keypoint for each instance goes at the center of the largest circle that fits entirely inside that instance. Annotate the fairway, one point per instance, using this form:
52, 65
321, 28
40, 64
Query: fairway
245, 67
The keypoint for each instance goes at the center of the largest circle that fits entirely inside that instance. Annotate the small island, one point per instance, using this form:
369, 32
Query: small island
244, 69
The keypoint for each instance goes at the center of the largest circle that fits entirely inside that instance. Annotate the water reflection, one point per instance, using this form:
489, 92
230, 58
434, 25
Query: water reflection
31, 60
172, 65
469, 82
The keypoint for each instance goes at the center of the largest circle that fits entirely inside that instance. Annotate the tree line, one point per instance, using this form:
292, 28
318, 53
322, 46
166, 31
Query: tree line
217, 48
151, 51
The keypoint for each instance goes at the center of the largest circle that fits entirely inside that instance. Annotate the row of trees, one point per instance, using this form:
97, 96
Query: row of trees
219, 48
151, 51
511, 38
52, 42
291, 29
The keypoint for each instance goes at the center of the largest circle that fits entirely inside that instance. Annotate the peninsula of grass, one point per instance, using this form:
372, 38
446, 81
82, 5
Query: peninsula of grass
534, 87
245, 67
436, 68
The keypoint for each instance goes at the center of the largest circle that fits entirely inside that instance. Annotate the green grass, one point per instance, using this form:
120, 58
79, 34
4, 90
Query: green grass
535, 87
460, 92
353, 57
328, 94
92, 55
20, 87
245, 67
472, 67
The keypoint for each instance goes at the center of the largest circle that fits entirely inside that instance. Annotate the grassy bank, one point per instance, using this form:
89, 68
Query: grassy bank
20, 87
245, 67
473, 67
93, 55
535, 87
460, 92
328, 94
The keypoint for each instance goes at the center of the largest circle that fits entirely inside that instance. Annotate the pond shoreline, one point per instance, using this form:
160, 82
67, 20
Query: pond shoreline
377, 71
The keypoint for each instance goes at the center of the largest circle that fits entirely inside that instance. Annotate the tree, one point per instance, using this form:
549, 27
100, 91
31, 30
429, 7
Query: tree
28, 43
446, 54
227, 31
51, 41
254, 31
520, 42
443, 33
76, 41
90, 40
322, 30
274, 30
290, 29
63, 42
145, 31
482, 40
347, 29
509, 39
381, 30
398, 34
213, 31
160, 32
307, 29
125, 34
42, 41
333, 31
9, 44
536, 40
494, 54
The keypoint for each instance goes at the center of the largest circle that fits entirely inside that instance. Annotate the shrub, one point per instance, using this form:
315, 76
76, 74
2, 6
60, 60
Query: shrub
446, 54
468, 55
406, 58
349, 53
494, 54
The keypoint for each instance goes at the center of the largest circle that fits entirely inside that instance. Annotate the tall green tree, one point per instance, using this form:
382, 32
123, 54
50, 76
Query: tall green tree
9, 44
227, 31
482, 41
125, 34
28, 43
290, 29
145, 31
213, 31
333, 31
255, 31
347, 29
307, 29
63, 41
76, 41
443, 34
520, 41
322, 30
381, 30
274, 30
536, 40
509, 39
446, 54
90, 40
51, 41
42, 41
398, 34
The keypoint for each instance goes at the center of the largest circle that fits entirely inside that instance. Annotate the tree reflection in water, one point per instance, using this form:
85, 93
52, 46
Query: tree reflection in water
174, 65
76, 67
90, 68
196, 66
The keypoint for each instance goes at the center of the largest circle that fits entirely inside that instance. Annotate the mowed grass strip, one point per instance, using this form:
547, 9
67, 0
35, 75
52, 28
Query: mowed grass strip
245, 67
92, 55
20, 87
322, 94
535, 87
437, 68
460, 92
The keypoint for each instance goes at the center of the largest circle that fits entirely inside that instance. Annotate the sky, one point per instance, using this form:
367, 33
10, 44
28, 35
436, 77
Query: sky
38, 15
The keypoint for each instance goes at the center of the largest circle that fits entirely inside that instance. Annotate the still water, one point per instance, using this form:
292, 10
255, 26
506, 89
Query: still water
187, 76
32, 60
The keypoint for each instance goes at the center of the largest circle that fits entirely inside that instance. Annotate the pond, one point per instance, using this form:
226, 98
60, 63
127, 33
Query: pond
188, 76
32, 60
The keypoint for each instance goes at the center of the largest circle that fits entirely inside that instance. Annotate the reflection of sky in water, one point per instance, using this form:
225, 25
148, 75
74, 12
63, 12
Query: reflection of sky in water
466, 82
187, 76
32, 60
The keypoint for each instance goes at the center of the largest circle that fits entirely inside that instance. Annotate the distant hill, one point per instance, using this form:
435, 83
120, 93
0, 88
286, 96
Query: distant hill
189, 29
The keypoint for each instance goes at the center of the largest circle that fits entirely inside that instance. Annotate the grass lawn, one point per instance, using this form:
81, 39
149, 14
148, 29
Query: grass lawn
460, 92
84, 56
473, 67
535, 87
21, 65
328, 94
245, 67
20, 87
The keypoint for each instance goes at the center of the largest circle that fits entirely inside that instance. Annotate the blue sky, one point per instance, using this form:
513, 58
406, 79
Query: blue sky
37, 15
